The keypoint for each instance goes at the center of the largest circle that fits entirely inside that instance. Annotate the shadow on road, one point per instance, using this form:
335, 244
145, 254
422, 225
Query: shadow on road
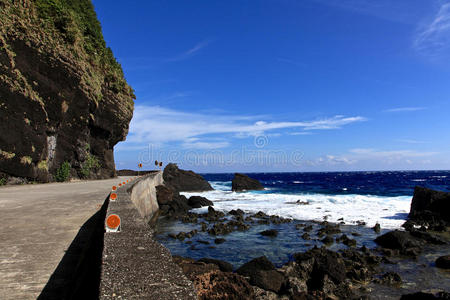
77, 276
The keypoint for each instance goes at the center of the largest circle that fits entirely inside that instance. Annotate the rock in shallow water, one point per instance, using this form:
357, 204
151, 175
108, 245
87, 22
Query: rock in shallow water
443, 262
184, 181
242, 182
269, 233
427, 295
399, 240
430, 207
198, 201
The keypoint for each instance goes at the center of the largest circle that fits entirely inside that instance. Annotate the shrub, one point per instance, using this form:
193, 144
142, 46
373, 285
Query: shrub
2, 181
89, 164
62, 174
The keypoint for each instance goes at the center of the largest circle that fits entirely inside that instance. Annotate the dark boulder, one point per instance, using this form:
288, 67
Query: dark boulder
429, 206
242, 182
198, 201
262, 273
177, 207
443, 262
328, 240
237, 212
184, 181
223, 265
400, 240
219, 241
164, 195
321, 264
427, 295
377, 228
218, 285
269, 232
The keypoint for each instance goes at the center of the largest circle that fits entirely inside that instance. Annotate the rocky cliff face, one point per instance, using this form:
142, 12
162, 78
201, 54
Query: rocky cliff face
63, 97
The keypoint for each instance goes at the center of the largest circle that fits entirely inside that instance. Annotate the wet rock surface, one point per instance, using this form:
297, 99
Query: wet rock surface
351, 271
198, 201
443, 262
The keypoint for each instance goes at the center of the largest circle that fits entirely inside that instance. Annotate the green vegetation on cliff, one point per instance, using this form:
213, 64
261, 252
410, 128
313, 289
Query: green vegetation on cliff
77, 21
61, 89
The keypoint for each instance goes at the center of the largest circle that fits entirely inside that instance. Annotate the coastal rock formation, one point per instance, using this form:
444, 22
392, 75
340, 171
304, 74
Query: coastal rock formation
222, 286
198, 201
164, 195
63, 96
213, 283
443, 262
263, 274
184, 181
427, 295
242, 182
400, 240
430, 207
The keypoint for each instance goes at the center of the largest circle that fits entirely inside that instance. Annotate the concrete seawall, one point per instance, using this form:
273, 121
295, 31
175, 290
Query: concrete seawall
134, 265
143, 195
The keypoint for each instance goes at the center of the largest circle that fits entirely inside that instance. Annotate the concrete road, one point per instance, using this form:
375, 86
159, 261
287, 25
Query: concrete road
37, 224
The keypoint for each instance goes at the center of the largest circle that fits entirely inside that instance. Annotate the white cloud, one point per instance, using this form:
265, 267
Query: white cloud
391, 154
158, 125
360, 156
404, 109
410, 141
301, 133
433, 39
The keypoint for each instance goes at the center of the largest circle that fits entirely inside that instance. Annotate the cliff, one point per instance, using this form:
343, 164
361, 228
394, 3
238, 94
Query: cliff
63, 96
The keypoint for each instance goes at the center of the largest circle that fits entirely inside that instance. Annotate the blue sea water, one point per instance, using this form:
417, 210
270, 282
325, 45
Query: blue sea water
387, 183
370, 197
348, 197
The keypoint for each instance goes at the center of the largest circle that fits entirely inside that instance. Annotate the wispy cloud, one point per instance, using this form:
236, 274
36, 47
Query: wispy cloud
377, 157
410, 141
368, 152
155, 124
404, 109
433, 39
190, 52
301, 133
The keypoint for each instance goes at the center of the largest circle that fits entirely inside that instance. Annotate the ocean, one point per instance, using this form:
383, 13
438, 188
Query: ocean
371, 197
348, 198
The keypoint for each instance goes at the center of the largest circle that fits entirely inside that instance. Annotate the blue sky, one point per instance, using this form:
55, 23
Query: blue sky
314, 85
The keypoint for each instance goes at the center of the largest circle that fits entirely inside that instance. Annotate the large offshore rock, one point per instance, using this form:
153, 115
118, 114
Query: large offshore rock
430, 206
242, 182
184, 181
63, 96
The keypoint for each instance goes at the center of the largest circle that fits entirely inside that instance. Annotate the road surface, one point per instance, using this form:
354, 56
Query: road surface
37, 224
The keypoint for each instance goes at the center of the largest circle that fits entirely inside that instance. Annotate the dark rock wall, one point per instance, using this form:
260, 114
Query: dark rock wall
184, 181
56, 103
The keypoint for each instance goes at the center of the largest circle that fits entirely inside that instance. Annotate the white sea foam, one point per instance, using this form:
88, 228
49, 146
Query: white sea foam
418, 180
390, 212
